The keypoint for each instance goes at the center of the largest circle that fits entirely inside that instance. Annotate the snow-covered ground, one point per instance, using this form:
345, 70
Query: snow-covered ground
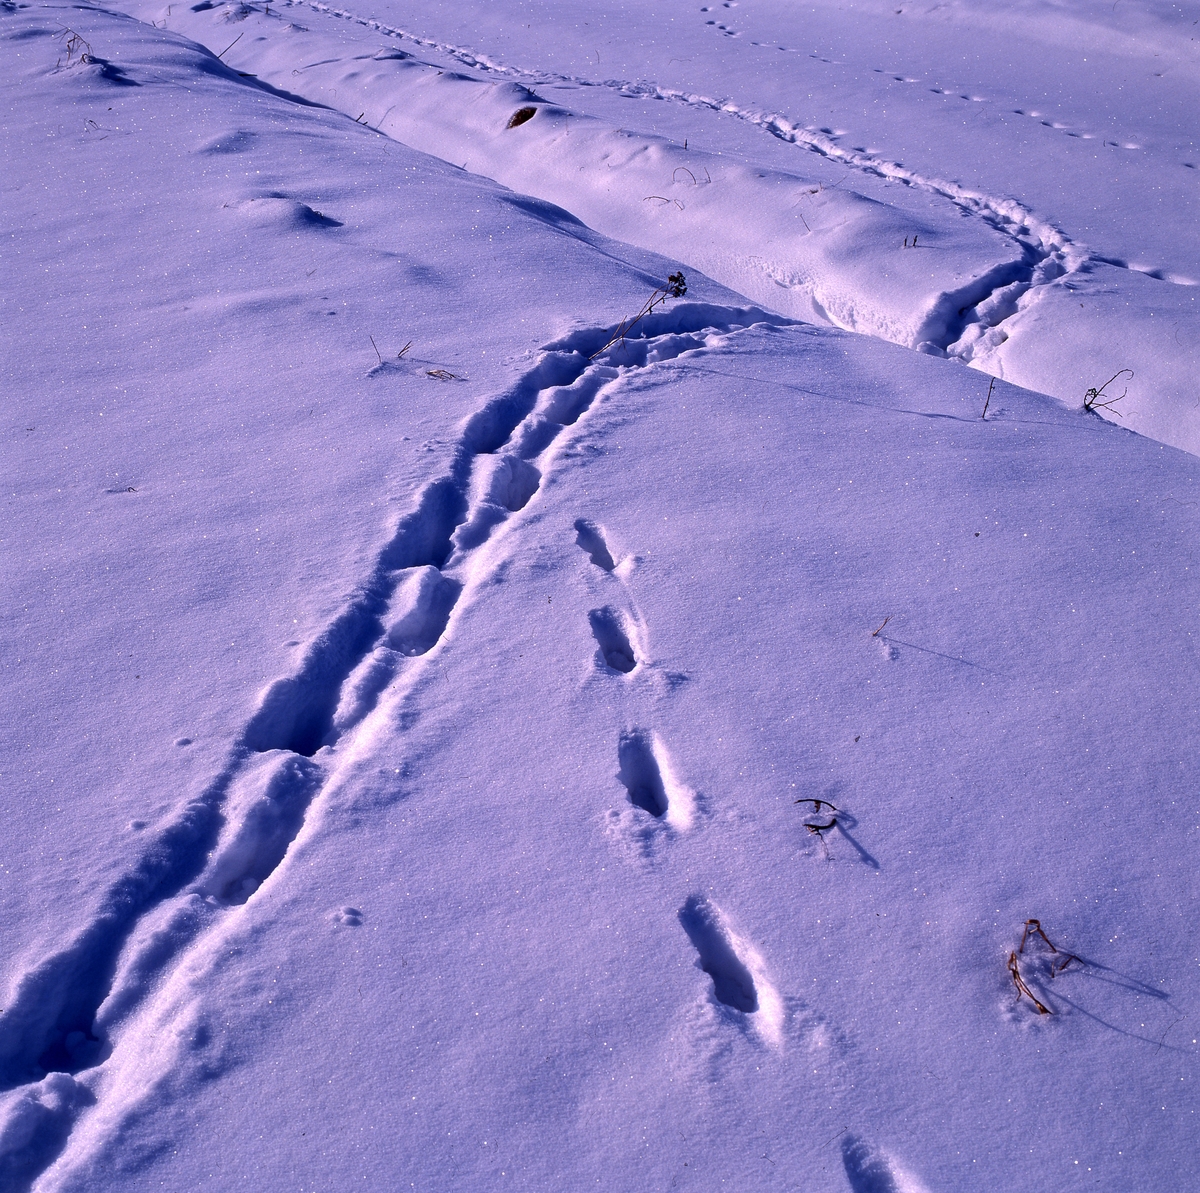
450, 747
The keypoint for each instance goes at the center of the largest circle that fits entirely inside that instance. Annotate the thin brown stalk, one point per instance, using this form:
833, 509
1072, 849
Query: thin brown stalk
1022, 988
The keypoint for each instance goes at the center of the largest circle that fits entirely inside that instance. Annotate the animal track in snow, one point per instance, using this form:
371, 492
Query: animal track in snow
415, 623
869, 1170
421, 608
265, 810
590, 538
640, 774
739, 979
501, 485
645, 770
610, 629
733, 983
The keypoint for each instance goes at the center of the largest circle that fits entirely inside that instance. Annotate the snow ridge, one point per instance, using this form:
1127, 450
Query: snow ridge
70, 1013
967, 318
991, 294
967, 323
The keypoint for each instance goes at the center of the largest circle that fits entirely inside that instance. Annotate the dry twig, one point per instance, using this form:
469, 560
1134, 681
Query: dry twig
1022, 988
817, 804
1034, 928
231, 45
676, 287
1091, 400
74, 44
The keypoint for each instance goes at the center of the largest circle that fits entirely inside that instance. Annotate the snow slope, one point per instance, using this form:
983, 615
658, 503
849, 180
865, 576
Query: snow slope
1053, 258
631, 763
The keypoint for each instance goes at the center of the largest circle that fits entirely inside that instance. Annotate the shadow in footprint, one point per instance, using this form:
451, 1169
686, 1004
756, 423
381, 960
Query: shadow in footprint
271, 821
296, 713
866, 1170
639, 773
733, 983
509, 482
422, 607
609, 632
588, 536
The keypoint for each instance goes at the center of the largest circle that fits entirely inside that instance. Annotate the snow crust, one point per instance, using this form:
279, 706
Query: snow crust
450, 744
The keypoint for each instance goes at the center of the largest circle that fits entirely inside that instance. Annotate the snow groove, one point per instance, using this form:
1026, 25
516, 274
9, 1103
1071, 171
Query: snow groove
966, 324
65, 1014
50, 1020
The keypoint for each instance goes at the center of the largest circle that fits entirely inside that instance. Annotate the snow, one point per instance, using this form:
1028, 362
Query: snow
1075, 218
449, 746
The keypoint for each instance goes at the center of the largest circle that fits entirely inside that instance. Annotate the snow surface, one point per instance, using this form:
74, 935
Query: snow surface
450, 747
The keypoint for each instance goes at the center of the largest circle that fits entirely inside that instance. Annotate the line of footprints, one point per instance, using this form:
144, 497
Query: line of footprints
659, 805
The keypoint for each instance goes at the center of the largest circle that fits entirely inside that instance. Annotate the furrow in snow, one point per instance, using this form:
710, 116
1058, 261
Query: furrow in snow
1005, 290
72, 1011
1005, 213
965, 316
783, 240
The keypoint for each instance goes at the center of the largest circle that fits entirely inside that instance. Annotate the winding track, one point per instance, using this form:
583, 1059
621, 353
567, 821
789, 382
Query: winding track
1048, 251
108, 997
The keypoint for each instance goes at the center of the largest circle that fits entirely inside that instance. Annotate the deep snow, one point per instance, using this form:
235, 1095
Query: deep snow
514, 759
1068, 256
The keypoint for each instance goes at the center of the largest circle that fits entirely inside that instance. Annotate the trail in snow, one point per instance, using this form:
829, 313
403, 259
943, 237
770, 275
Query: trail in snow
1002, 290
828, 254
71, 1011
1050, 252
452, 848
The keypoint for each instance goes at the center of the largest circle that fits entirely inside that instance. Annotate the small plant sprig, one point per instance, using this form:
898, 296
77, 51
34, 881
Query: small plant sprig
74, 44
818, 804
1014, 969
1091, 399
1033, 928
818, 829
676, 287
